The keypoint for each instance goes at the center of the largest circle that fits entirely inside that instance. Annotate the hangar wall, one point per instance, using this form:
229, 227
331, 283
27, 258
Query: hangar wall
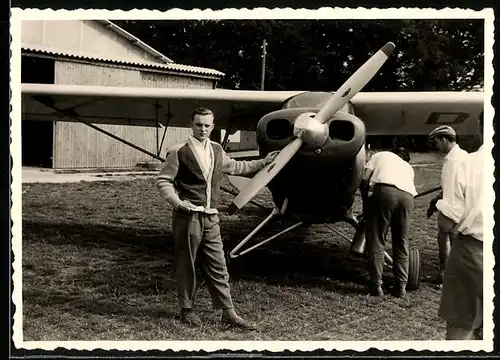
97, 52
78, 146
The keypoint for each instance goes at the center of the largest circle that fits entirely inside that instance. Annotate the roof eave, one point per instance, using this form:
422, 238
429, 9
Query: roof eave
215, 75
135, 40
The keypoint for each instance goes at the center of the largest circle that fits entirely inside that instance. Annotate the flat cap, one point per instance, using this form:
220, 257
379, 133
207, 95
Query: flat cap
442, 130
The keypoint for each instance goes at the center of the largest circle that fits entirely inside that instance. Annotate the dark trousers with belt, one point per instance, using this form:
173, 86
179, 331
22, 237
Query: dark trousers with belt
197, 239
388, 207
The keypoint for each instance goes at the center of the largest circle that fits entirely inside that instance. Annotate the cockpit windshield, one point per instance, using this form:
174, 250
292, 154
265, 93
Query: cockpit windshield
307, 99
312, 99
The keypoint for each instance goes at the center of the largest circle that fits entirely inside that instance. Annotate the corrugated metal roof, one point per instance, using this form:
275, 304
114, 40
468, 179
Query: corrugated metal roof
146, 64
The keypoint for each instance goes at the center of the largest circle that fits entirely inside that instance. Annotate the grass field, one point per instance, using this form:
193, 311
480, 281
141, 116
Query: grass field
97, 265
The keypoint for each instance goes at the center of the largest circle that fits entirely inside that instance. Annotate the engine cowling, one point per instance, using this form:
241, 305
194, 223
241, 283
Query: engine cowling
345, 134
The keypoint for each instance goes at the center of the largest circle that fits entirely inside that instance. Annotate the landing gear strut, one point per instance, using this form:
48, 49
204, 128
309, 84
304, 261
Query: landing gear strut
274, 213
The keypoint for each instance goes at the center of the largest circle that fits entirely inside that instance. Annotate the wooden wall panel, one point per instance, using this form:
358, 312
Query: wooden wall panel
79, 146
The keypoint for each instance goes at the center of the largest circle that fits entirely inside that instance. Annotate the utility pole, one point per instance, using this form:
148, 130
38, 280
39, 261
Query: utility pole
263, 70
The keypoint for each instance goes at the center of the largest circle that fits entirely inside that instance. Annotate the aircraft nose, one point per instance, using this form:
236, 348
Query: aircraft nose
310, 131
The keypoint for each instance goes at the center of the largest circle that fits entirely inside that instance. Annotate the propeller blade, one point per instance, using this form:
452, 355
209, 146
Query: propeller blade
239, 182
352, 86
264, 176
355, 83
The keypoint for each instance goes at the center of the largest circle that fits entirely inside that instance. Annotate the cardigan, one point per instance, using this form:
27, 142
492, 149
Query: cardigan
182, 178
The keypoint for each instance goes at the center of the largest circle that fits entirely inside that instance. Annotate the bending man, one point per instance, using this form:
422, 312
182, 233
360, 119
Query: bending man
389, 206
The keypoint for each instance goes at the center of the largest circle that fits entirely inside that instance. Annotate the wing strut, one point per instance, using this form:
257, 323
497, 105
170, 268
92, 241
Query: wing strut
169, 116
72, 114
157, 106
228, 132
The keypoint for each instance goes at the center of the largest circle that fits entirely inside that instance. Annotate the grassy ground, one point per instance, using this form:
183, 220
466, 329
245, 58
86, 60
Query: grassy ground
97, 265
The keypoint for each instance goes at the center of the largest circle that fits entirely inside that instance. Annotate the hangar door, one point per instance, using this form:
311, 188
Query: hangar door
37, 136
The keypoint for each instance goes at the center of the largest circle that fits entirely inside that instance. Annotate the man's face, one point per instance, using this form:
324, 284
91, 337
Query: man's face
202, 126
440, 144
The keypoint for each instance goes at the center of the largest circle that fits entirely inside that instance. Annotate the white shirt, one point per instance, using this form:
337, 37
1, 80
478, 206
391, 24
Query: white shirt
203, 154
452, 203
469, 180
388, 168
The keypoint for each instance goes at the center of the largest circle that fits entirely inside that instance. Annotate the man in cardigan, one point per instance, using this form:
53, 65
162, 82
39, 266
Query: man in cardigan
190, 181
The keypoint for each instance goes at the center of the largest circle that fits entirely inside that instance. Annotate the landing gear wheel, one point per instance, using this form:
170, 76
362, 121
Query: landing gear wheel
413, 270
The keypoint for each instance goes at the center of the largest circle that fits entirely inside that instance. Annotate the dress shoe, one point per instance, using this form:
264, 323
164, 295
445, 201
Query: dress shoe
188, 316
234, 320
400, 291
439, 279
375, 291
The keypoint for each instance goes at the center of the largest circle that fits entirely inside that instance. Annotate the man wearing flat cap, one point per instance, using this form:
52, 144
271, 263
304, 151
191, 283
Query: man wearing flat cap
449, 203
461, 304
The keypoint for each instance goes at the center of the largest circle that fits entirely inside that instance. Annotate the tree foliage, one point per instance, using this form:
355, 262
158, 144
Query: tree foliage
321, 55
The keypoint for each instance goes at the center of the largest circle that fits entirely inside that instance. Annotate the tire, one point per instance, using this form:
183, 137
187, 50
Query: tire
413, 270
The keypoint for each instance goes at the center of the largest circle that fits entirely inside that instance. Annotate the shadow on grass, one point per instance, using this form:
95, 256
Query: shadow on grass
290, 261
294, 262
92, 235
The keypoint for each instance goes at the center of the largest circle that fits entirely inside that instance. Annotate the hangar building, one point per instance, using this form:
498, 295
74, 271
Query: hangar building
96, 52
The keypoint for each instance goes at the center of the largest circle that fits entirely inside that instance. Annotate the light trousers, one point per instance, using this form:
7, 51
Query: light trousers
197, 238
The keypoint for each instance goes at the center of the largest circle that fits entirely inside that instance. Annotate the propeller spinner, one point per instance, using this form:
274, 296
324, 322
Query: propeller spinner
311, 128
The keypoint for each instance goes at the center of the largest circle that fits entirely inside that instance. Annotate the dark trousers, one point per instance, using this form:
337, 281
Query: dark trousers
197, 238
462, 295
388, 207
445, 238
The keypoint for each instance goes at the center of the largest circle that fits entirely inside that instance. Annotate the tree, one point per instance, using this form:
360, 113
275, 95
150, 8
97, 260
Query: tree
321, 55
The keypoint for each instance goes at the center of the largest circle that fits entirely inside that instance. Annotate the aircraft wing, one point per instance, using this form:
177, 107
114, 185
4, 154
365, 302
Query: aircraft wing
142, 106
418, 113
384, 113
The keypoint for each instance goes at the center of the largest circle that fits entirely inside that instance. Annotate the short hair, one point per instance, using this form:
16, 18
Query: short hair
201, 111
402, 152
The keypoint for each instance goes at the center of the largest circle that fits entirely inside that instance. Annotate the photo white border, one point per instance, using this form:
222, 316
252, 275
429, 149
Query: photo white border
17, 15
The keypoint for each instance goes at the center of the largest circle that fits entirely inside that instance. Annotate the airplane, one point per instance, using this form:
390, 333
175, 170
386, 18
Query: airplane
321, 136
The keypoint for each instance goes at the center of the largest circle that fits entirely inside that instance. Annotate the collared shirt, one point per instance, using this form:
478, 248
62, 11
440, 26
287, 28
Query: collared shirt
388, 168
469, 180
452, 203
203, 153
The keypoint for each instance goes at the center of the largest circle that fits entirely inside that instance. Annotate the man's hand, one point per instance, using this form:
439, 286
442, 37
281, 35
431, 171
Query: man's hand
364, 189
432, 206
186, 206
430, 211
270, 157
